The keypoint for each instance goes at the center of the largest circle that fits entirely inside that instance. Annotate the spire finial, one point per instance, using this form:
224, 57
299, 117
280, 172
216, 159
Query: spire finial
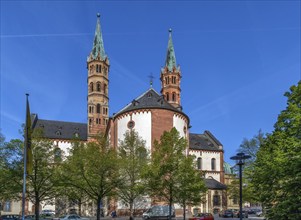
151, 77
170, 62
98, 48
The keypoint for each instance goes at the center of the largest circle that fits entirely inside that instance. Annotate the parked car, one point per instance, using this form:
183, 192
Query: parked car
259, 213
202, 216
70, 217
158, 212
47, 212
228, 213
10, 217
244, 214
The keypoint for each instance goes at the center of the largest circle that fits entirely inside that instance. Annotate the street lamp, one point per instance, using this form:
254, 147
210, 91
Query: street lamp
240, 160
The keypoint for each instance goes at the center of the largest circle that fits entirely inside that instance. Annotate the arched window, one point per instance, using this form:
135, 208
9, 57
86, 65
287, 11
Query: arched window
91, 87
216, 200
199, 163
167, 96
98, 108
105, 88
173, 80
90, 121
167, 80
91, 109
92, 68
98, 86
213, 164
173, 97
98, 68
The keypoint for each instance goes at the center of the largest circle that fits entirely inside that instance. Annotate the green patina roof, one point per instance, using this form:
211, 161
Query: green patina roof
227, 168
170, 57
98, 47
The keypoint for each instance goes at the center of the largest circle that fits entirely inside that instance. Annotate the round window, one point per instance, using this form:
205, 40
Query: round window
131, 124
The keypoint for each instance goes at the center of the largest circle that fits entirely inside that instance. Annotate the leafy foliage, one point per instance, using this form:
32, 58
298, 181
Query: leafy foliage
170, 171
41, 185
277, 170
92, 168
133, 158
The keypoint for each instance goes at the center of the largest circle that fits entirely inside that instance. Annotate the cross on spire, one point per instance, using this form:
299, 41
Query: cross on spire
151, 77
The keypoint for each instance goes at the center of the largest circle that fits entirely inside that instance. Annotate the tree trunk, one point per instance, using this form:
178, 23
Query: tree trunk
98, 209
170, 204
184, 211
37, 207
131, 211
80, 207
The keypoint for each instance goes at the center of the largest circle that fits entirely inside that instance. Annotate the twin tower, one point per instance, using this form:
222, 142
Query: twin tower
98, 66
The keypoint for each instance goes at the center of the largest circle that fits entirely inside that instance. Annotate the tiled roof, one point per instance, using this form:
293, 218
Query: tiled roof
149, 100
60, 129
214, 184
204, 141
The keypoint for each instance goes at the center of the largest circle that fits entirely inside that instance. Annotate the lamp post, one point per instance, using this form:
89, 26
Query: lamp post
240, 160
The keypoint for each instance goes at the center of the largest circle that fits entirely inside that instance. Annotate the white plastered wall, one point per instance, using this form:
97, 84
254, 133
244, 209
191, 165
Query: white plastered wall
64, 146
207, 156
143, 125
179, 123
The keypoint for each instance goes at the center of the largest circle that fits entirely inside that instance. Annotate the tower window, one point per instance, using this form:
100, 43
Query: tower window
167, 96
105, 70
104, 88
91, 109
98, 87
92, 69
90, 121
173, 80
98, 108
167, 80
91, 87
213, 164
98, 68
173, 96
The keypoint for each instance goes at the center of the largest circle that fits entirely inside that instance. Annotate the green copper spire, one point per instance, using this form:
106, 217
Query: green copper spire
170, 57
98, 48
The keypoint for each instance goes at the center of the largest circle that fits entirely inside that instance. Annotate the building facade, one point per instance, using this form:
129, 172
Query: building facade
150, 114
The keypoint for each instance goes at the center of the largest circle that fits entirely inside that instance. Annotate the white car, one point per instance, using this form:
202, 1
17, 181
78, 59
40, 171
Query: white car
70, 217
47, 212
259, 214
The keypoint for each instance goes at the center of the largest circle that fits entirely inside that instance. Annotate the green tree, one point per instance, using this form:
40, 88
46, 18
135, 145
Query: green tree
190, 185
166, 175
249, 147
277, 169
92, 168
133, 158
41, 185
11, 163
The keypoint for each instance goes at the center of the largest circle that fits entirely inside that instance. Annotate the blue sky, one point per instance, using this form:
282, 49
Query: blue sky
237, 59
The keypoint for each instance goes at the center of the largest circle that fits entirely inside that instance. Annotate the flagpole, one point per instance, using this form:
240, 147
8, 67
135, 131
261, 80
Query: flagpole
25, 162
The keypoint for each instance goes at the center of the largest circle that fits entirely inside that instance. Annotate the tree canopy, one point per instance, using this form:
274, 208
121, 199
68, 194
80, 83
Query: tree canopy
133, 158
277, 169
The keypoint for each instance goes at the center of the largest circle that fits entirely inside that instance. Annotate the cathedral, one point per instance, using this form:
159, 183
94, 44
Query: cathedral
150, 114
